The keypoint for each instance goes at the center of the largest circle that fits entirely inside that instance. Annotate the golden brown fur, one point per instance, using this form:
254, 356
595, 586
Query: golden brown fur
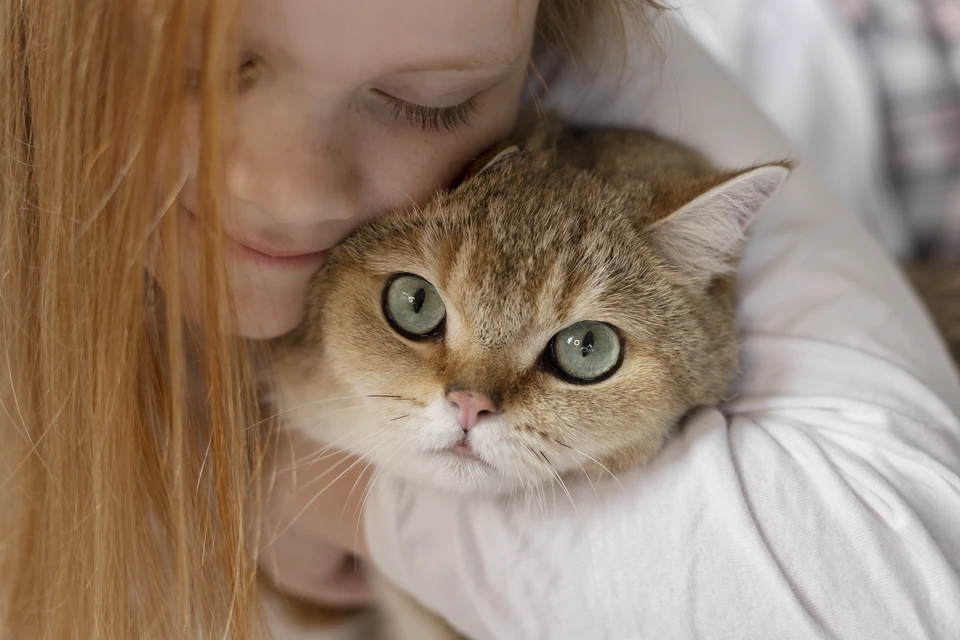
565, 231
939, 286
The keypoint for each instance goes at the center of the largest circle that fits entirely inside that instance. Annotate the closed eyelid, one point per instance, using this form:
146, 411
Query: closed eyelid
435, 89
433, 101
490, 62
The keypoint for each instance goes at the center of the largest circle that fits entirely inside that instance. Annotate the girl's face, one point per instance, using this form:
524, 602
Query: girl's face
349, 108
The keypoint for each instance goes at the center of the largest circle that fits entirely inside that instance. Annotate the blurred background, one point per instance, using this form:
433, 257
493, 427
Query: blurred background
870, 91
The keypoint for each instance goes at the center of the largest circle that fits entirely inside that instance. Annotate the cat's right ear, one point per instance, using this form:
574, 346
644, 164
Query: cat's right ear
704, 237
489, 161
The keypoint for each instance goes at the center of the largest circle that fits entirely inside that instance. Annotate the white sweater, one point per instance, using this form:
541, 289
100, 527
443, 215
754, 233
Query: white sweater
823, 501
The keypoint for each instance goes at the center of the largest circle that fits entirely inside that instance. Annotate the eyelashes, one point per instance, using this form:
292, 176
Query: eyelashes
451, 119
432, 119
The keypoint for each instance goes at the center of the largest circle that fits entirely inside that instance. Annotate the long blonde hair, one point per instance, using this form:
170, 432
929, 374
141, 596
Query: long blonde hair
125, 502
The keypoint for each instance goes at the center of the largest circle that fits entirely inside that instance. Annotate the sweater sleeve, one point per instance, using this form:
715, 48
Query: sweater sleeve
822, 501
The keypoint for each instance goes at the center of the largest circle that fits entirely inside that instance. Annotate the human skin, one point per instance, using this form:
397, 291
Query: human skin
333, 127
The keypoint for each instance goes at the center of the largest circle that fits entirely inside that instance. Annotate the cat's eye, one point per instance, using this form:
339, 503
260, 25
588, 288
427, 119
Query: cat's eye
586, 352
413, 307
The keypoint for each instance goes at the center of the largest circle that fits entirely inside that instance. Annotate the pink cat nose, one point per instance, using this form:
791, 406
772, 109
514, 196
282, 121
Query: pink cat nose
471, 407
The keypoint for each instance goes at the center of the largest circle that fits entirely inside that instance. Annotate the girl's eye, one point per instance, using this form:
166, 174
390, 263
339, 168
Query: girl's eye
247, 74
413, 307
586, 352
432, 119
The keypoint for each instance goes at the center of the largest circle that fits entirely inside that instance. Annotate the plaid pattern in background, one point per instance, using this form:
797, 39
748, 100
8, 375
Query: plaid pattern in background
914, 46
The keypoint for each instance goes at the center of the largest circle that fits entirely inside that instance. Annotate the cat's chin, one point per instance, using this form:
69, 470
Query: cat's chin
453, 472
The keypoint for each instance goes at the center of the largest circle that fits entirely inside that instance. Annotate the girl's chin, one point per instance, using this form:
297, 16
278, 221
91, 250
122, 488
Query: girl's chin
266, 312
267, 326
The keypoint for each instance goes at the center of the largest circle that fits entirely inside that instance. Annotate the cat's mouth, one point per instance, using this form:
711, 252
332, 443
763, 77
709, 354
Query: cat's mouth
464, 451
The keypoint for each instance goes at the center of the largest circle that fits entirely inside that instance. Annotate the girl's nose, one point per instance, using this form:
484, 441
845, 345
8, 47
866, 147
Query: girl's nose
292, 180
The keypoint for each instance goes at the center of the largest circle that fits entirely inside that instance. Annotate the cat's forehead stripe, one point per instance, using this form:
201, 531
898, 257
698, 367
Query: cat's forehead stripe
513, 262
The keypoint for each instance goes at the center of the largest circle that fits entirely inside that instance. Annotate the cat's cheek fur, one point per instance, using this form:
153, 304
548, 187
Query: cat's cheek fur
406, 436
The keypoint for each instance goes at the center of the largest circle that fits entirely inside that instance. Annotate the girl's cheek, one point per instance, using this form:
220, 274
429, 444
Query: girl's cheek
423, 163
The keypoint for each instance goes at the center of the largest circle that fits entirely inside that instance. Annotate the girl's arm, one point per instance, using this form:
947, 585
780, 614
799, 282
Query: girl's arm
823, 501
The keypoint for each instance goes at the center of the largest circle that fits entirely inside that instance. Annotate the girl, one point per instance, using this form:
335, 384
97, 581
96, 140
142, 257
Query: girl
172, 175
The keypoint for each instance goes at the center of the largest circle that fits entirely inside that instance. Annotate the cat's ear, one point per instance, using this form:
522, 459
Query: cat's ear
489, 161
704, 237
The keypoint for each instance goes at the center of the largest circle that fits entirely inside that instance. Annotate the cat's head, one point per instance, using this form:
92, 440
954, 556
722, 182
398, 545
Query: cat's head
557, 313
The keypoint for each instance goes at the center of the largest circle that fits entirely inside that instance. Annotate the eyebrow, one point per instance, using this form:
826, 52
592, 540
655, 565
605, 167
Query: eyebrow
487, 61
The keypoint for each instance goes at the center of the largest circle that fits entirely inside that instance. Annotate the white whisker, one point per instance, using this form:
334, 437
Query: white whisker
587, 476
319, 493
325, 401
354, 488
328, 451
565, 490
368, 489
320, 477
599, 464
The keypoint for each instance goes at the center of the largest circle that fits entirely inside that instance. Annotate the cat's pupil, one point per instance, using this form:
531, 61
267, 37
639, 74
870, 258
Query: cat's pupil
418, 299
586, 348
413, 307
585, 351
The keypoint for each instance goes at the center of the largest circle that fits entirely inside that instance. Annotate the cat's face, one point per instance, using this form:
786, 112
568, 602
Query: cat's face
506, 336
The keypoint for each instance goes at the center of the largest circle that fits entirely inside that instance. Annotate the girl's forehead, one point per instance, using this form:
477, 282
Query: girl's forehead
384, 37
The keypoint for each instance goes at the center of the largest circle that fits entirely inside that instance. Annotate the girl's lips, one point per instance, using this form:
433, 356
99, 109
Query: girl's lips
249, 254
266, 257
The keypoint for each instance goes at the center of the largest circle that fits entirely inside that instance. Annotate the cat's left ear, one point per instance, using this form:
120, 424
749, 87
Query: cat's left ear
704, 237
489, 161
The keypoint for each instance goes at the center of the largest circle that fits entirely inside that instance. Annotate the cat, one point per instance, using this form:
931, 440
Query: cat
555, 314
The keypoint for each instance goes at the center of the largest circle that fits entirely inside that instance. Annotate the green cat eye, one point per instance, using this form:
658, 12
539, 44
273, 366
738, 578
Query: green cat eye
586, 351
413, 307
